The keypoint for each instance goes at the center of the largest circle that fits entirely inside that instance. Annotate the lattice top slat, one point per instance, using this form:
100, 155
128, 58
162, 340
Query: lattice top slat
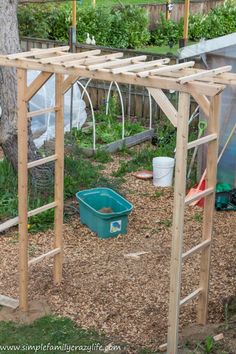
113, 67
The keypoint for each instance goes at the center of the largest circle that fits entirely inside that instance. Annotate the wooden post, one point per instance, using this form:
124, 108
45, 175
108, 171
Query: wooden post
167, 10
212, 156
22, 188
94, 3
59, 176
74, 13
186, 20
178, 221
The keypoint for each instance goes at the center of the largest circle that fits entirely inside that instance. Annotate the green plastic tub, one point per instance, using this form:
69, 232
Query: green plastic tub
104, 211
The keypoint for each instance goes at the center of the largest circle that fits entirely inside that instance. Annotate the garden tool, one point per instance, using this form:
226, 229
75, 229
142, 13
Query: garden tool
202, 125
201, 185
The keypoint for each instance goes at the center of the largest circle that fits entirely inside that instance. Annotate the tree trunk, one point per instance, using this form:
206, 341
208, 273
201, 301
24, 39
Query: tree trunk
9, 43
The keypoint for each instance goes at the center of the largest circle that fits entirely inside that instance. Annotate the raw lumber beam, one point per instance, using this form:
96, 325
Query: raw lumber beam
95, 59
203, 102
70, 57
110, 64
178, 222
32, 53
142, 65
191, 297
203, 140
166, 69
165, 104
8, 302
36, 85
49, 254
206, 73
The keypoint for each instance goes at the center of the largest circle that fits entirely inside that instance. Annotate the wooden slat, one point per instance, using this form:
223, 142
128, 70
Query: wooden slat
42, 209
206, 73
110, 64
13, 222
165, 104
49, 254
69, 81
41, 111
42, 161
98, 59
190, 297
59, 177
22, 188
164, 69
164, 83
8, 302
198, 196
178, 221
39, 51
72, 56
203, 102
36, 84
201, 141
195, 249
209, 208
142, 65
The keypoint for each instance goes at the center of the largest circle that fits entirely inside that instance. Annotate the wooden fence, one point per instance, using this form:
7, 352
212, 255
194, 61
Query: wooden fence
196, 7
154, 9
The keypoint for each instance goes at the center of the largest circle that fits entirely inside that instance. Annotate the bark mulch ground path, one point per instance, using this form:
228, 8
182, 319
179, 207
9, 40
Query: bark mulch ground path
126, 297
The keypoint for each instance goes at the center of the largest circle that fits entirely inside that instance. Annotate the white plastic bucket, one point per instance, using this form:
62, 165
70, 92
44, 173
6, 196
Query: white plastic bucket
163, 168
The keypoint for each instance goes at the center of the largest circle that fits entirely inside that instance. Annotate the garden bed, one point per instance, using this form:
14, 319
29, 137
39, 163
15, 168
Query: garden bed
129, 141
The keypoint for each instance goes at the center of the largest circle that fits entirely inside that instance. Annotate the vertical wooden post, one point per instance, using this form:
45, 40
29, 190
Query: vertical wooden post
212, 156
178, 221
59, 176
186, 20
74, 13
167, 10
22, 188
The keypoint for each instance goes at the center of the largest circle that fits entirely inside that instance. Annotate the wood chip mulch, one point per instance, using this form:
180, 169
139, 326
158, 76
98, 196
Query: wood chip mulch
127, 297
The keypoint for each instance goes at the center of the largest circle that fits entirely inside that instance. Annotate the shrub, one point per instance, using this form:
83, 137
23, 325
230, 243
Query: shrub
167, 32
121, 27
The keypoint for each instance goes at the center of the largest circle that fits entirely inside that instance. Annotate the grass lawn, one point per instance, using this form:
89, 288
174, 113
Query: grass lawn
48, 333
164, 50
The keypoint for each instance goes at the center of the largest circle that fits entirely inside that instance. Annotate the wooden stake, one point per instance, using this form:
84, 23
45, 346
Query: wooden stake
186, 20
178, 221
74, 13
59, 177
22, 188
212, 156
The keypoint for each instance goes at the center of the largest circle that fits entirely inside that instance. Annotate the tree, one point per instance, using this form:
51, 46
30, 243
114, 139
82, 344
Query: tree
9, 43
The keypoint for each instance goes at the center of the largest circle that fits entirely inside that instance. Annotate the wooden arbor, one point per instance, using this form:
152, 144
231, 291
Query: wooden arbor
204, 85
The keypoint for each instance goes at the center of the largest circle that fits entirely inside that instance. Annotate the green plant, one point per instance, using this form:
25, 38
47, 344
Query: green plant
197, 217
102, 156
168, 32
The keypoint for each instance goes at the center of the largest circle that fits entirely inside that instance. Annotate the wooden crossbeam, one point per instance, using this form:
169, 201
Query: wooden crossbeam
203, 102
98, 59
164, 69
195, 249
69, 81
201, 141
165, 104
49, 254
42, 161
206, 73
70, 57
35, 52
190, 297
8, 302
142, 65
36, 84
41, 111
198, 195
164, 83
110, 64
13, 222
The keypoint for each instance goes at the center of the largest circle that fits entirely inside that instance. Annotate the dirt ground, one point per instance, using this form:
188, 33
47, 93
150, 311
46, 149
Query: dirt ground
127, 297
